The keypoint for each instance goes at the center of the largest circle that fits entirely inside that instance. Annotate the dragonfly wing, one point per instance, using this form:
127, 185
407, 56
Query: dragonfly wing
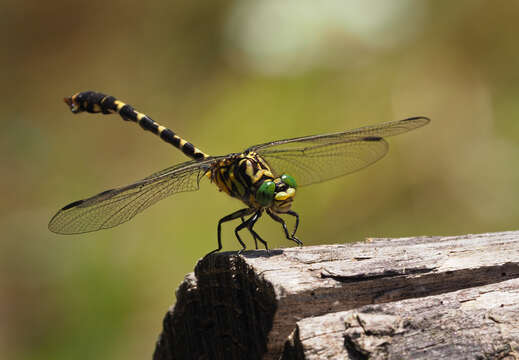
113, 207
313, 163
386, 129
317, 158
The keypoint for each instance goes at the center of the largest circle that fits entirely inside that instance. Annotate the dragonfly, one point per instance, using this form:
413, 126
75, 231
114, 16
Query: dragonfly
264, 177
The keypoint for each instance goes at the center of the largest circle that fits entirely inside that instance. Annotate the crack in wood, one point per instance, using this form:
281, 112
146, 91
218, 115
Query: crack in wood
366, 277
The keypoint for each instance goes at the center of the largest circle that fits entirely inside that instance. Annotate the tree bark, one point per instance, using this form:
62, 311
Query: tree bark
250, 305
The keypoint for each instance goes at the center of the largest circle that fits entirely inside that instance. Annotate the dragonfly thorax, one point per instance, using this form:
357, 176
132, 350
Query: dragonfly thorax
249, 178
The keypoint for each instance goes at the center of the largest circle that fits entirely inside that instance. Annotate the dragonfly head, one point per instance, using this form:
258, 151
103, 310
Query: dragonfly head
277, 194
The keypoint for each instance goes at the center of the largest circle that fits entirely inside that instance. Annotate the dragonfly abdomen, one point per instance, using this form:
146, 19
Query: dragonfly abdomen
94, 102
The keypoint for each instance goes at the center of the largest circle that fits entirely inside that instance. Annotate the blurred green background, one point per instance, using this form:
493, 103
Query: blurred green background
226, 75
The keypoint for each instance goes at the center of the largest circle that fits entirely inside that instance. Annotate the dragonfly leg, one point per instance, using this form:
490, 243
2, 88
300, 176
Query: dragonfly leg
282, 222
255, 240
254, 233
249, 223
296, 215
252, 222
237, 230
234, 215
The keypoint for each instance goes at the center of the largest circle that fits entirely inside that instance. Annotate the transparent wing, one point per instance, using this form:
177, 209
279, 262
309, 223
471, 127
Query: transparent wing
316, 163
317, 158
113, 207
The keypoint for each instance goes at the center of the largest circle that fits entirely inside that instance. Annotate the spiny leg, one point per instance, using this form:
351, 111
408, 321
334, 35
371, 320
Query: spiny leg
253, 233
247, 223
282, 222
234, 215
255, 241
252, 222
293, 213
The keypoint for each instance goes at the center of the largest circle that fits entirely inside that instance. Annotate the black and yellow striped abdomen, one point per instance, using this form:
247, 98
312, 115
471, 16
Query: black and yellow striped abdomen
94, 102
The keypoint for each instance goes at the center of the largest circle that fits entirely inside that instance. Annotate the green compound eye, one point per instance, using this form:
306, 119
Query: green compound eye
265, 193
289, 180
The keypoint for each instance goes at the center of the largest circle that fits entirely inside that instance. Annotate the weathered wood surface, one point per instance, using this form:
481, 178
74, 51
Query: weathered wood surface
475, 323
246, 306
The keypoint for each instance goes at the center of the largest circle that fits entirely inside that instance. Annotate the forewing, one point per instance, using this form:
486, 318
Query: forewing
113, 207
386, 129
317, 158
313, 163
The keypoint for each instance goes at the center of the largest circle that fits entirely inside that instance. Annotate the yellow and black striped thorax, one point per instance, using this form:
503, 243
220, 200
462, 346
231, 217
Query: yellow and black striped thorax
94, 102
240, 176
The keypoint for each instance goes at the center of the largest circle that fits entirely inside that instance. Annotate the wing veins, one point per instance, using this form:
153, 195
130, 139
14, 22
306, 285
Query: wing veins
137, 210
132, 199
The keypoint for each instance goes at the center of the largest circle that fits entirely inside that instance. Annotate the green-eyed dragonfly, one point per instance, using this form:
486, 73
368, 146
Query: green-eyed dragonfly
264, 177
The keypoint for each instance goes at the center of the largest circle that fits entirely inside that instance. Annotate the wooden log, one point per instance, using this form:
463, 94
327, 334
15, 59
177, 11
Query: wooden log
475, 323
245, 306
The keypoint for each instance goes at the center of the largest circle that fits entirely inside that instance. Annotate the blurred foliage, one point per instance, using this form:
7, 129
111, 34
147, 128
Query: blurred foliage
226, 75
